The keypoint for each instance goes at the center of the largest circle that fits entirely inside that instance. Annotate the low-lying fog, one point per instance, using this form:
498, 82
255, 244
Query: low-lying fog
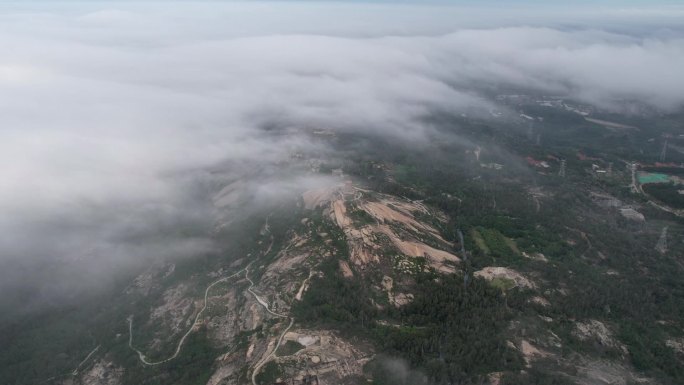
111, 114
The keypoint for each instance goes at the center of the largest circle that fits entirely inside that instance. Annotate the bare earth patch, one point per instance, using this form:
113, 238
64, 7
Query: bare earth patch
677, 344
176, 310
325, 355
531, 352
366, 241
535, 256
101, 373
598, 331
492, 272
540, 301
346, 270
319, 197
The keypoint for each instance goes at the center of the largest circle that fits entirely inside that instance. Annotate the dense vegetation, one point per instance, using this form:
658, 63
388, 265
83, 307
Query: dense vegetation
597, 266
667, 193
452, 331
643, 302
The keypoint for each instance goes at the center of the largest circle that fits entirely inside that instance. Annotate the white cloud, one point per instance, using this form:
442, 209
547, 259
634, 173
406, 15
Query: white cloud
106, 109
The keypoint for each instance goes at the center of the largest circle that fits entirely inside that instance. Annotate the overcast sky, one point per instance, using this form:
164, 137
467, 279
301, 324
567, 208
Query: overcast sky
109, 111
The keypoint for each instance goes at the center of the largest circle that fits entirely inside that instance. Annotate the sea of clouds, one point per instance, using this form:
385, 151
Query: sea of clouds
111, 112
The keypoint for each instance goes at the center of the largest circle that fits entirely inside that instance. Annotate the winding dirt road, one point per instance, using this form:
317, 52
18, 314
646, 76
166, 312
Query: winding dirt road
265, 304
265, 360
260, 301
142, 356
75, 371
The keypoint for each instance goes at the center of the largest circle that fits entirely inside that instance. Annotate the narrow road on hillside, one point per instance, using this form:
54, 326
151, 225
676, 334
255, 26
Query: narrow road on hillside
263, 303
265, 360
260, 301
142, 356
75, 371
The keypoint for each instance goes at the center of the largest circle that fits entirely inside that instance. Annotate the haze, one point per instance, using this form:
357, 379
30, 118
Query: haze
111, 114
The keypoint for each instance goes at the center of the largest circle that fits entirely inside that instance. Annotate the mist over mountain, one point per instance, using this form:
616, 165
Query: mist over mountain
134, 133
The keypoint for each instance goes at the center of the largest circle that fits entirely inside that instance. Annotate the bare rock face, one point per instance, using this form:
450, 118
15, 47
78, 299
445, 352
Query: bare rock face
228, 317
677, 344
401, 299
493, 272
494, 378
319, 197
254, 326
102, 372
602, 372
175, 309
387, 283
396, 299
541, 301
531, 352
390, 223
324, 356
597, 331
346, 270
535, 256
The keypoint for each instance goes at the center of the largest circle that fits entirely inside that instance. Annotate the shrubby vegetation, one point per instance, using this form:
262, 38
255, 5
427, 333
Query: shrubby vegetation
451, 331
667, 193
643, 303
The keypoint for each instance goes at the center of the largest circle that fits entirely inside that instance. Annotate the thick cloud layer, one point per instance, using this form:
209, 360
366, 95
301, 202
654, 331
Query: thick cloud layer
111, 113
